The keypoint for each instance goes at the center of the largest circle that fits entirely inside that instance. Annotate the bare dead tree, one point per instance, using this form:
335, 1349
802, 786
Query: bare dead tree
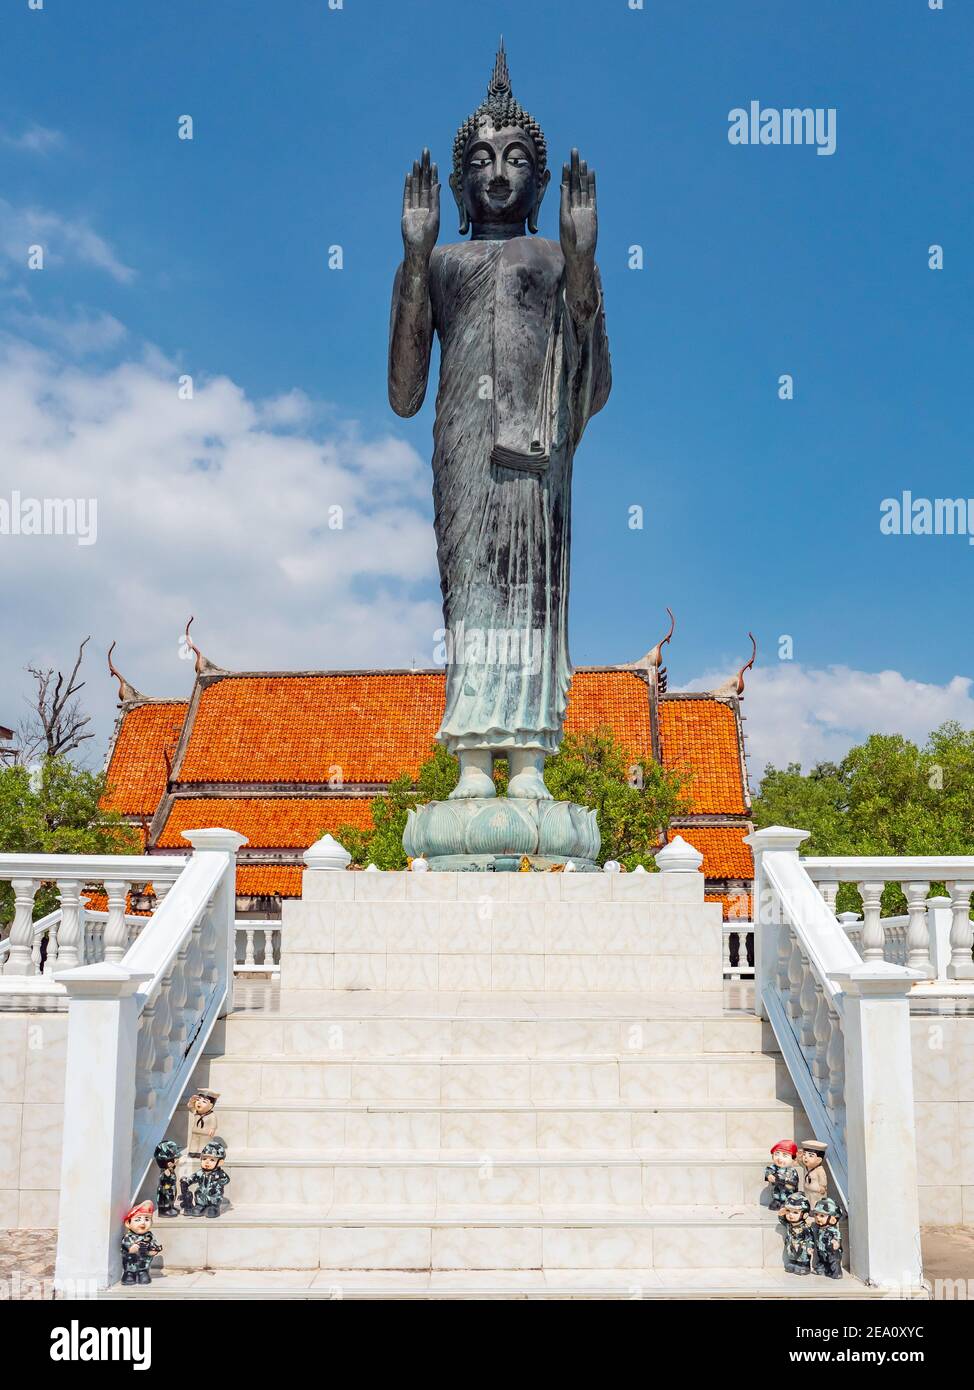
57, 723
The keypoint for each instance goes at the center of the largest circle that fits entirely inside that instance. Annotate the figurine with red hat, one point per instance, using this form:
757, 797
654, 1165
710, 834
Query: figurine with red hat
139, 1245
782, 1173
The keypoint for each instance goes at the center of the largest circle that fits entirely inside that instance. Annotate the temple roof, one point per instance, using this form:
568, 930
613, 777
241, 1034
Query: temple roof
280, 756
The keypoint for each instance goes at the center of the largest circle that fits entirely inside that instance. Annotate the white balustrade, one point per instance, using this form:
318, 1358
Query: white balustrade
73, 934
739, 968
137, 1026
922, 939
843, 1026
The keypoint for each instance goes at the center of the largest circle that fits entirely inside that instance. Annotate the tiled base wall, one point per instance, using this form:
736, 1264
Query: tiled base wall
943, 1083
32, 1048
507, 932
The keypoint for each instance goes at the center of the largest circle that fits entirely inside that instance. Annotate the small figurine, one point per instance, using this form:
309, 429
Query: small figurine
138, 1244
827, 1238
781, 1172
798, 1238
811, 1155
210, 1180
201, 1127
166, 1155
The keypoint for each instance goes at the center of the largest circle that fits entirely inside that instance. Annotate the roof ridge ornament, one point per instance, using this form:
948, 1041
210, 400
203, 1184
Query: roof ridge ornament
735, 686
204, 666
127, 692
652, 661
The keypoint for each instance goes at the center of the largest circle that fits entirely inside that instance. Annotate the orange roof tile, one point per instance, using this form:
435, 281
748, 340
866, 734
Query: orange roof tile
271, 822
737, 906
725, 855
137, 771
619, 699
255, 880
699, 737
313, 728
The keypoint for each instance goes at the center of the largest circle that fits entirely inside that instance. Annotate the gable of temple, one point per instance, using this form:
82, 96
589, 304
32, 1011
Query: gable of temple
284, 757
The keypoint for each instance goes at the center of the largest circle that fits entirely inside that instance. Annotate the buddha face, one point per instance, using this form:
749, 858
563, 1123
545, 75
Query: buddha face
500, 183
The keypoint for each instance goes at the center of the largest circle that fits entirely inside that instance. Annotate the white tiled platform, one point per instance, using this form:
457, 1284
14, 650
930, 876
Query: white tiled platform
563, 1130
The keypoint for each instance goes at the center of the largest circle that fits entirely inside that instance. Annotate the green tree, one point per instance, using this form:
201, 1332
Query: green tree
590, 769
887, 796
56, 809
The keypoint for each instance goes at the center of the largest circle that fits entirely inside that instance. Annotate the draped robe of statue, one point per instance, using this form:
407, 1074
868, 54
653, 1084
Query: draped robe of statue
519, 380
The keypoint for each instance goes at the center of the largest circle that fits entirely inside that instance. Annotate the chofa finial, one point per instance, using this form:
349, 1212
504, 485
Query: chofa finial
653, 659
735, 686
204, 666
126, 691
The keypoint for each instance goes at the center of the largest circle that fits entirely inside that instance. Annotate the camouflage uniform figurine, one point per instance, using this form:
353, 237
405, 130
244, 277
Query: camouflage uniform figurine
210, 1180
138, 1244
782, 1174
827, 1238
166, 1155
798, 1237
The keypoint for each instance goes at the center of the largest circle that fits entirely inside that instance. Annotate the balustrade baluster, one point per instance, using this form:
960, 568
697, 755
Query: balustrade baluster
806, 999
835, 1061
162, 1034
829, 889
67, 949
784, 958
195, 991
822, 1032
177, 1001
873, 936
917, 936
795, 978
249, 947
21, 938
145, 1055
208, 940
116, 928
961, 965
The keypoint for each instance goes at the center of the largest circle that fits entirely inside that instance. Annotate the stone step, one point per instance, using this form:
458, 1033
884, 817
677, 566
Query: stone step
475, 1237
401, 1034
528, 1177
477, 938
495, 1284
664, 1126
563, 1077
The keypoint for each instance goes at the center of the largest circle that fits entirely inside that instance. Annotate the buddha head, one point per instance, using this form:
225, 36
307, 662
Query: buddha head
500, 156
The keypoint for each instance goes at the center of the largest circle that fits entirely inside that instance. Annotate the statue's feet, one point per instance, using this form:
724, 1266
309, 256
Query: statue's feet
475, 779
527, 781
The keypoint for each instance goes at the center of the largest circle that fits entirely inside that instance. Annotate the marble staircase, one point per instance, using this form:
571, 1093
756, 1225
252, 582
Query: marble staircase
513, 1140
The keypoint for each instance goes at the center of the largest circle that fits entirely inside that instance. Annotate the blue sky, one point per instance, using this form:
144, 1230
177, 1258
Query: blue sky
211, 257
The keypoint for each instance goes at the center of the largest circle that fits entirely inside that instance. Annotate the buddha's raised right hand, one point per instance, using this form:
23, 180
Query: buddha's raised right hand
421, 210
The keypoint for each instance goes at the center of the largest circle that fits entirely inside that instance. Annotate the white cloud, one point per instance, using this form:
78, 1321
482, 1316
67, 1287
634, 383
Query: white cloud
35, 139
204, 506
805, 714
78, 335
63, 240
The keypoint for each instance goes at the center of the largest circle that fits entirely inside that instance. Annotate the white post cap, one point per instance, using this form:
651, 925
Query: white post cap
611, 866
419, 865
679, 858
327, 853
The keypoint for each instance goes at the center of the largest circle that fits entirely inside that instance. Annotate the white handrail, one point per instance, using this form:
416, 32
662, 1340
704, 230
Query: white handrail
136, 1027
843, 1027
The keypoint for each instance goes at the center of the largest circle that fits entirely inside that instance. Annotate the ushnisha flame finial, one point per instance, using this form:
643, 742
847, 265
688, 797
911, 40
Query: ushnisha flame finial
499, 108
126, 691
